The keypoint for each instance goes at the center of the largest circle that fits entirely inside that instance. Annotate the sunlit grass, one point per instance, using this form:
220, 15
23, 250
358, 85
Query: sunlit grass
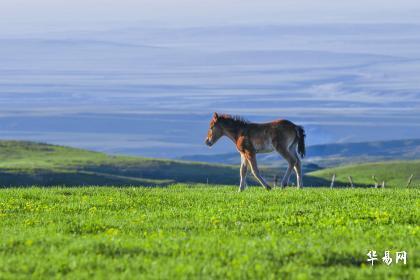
189, 231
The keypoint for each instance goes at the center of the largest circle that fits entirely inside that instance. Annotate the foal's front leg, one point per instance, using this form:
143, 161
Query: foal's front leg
243, 173
254, 168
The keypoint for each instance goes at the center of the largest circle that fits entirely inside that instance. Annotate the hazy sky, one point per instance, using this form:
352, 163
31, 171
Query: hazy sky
27, 15
142, 77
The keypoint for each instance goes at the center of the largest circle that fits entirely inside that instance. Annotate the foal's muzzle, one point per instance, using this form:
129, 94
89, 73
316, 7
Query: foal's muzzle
208, 143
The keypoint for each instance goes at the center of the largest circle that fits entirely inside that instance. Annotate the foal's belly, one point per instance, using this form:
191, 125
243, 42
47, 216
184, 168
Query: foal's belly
263, 146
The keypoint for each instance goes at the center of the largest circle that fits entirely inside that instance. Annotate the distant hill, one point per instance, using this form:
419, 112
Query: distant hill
321, 156
27, 163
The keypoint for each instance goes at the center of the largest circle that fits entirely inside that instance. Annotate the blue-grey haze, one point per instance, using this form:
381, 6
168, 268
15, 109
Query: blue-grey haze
150, 91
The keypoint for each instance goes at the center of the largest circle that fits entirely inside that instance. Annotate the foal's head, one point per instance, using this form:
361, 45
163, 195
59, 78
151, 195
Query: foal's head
215, 131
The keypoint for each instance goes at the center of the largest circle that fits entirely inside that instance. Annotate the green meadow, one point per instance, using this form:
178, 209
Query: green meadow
207, 232
68, 213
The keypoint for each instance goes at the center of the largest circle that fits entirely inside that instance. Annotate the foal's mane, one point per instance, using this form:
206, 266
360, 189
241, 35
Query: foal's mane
233, 120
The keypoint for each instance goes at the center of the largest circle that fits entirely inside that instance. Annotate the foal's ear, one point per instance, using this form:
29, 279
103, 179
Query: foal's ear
215, 116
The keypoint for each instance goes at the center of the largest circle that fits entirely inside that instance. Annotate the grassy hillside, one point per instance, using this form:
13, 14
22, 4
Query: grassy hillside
188, 232
25, 163
394, 173
28, 163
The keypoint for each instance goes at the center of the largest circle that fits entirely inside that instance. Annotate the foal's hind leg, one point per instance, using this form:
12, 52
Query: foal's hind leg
286, 177
298, 171
254, 168
291, 159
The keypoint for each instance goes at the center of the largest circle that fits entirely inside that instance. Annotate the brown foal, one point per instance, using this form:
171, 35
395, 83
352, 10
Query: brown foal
282, 136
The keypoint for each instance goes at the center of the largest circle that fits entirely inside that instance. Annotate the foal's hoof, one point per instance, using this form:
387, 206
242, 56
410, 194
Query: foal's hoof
268, 188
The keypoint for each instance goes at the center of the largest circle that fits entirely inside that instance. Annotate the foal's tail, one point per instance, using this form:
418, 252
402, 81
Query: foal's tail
301, 141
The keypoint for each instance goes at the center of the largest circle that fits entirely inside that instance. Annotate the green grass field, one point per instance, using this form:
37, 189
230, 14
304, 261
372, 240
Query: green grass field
186, 232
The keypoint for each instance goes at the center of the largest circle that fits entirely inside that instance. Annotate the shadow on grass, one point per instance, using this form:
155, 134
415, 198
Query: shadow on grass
343, 261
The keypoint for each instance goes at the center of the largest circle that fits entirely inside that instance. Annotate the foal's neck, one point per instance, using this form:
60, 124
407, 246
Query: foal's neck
232, 132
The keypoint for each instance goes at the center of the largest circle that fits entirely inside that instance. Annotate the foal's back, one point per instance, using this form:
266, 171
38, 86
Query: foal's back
275, 135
